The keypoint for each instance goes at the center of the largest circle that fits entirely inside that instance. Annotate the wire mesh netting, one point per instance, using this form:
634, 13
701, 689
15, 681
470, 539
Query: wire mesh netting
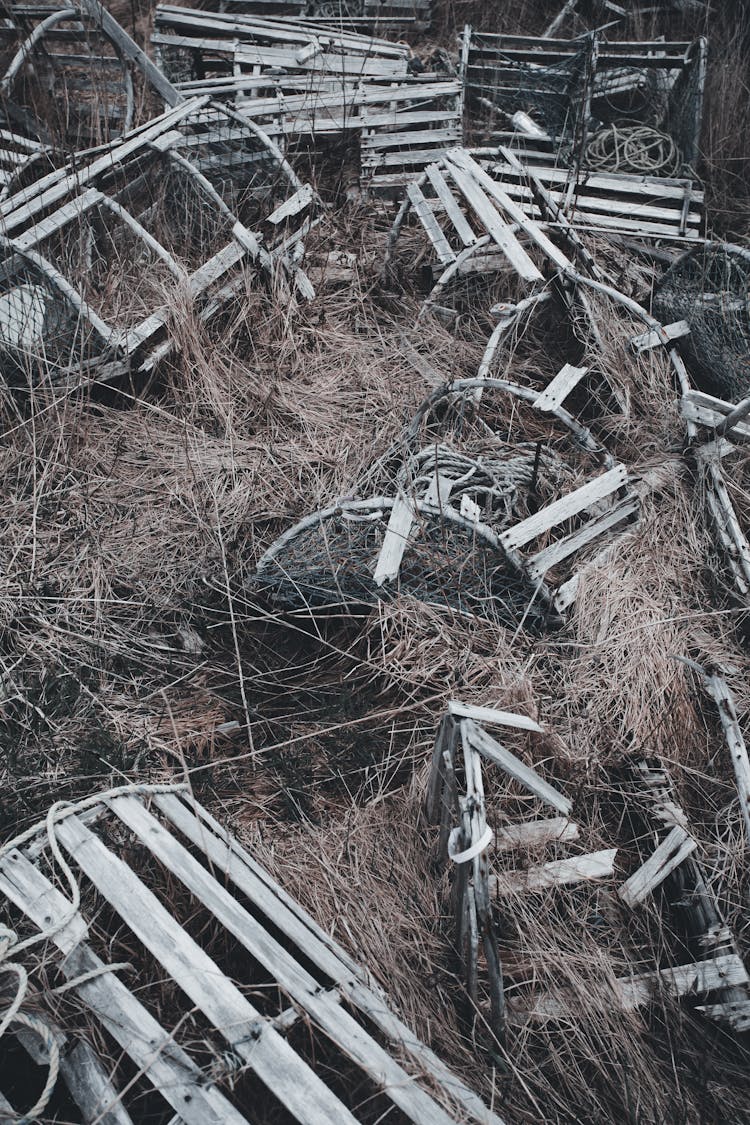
553, 94
709, 287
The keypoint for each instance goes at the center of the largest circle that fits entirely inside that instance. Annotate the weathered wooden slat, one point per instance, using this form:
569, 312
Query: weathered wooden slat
669, 854
556, 873
226, 853
343, 1030
292, 1081
302, 198
564, 508
555, 393
722, 697
538, 564
494, 224
646, 341
91, 1087
515, 768
429, 222
453, 211
492, 715
706, 410
395, 541
152, 1049
534, 833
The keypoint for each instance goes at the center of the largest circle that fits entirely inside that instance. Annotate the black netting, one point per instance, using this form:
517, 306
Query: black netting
333, 563
552, 95
709, 288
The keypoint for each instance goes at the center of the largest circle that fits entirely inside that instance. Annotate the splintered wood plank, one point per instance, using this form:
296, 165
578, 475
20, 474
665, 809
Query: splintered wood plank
429, 222
492, 715
515, 768
556, 873
534, 833
699, 978
544, 560
452, 210
395, 541
153, 1050
555, 393
645, 341
670, 853
629, 993
494, 224
303, 988
284, 912
564, 508
292, 206
277, 1065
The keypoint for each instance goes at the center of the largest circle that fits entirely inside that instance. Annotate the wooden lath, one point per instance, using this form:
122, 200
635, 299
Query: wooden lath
317, 982
362, 15
299, 80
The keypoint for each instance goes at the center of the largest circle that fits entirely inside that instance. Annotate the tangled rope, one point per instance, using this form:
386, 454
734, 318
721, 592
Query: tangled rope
634, 148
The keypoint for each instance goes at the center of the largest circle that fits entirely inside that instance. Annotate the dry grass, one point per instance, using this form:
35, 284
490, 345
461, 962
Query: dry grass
132, 521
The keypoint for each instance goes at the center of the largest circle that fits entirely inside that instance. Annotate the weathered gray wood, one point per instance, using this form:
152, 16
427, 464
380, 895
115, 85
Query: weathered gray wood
91, 1087
555, 393
492, 716
538, 564
517, 769
645, 341
430, 224
132, 51
151, 1048
534, 833
722, 697
232, 859
293, 1082
669, 854
560, 510
452, 210
292, 206
556, 873
493, 223
342, 1029
395, 541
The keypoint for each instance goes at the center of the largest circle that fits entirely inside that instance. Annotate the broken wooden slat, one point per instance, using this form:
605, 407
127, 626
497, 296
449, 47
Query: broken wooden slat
492, 715
293, 205
669, 854
706, 410
528, 777
91, 1087
292, 1081
335, 1021
722, 697
736, 1015
152, 1049
395, 541
555, 393
565, 508
538, 564
645, 341
556, 873
534, 833
452, 210
695, 979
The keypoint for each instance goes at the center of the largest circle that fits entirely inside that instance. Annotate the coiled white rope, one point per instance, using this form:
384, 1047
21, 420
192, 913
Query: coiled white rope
634, 148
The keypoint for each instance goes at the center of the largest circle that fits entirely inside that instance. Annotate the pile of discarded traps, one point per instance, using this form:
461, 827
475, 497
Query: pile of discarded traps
158, 972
